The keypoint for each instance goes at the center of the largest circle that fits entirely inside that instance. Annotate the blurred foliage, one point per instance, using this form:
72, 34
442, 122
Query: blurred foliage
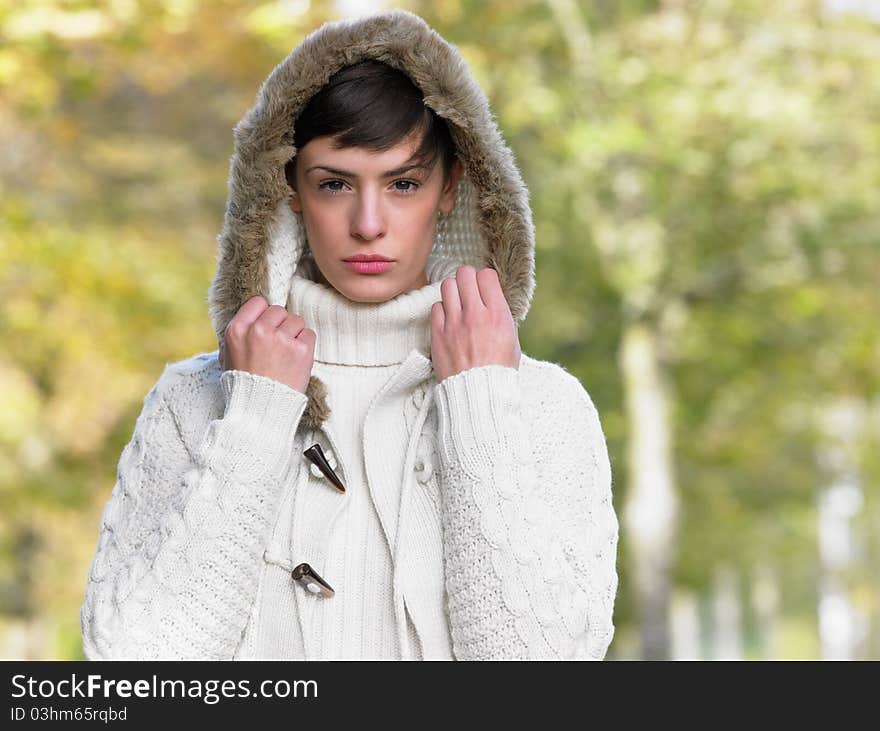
710, 168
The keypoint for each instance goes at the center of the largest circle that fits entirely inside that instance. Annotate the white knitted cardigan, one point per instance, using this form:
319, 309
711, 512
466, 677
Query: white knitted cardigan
501, 536
477, 521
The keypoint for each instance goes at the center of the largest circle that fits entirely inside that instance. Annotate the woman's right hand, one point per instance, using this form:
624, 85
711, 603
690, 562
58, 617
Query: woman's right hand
265, 340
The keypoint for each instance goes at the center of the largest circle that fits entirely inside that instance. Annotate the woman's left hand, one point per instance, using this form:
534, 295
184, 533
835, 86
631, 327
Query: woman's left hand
472, 325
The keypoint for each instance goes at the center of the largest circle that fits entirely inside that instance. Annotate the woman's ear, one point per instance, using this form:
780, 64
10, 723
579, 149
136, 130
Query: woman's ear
290, 176
447, 198
294, 202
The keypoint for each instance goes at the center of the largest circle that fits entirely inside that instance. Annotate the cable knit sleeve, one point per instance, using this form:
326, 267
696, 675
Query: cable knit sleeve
178, 557
529, 529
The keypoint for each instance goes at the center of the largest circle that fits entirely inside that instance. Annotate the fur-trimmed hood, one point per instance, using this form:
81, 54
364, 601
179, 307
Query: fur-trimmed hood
263, 244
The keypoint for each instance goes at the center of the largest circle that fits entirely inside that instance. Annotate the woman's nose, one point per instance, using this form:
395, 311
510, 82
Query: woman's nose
368, 221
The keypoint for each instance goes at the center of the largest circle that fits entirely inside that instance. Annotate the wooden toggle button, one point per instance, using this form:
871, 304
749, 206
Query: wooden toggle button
308, 577
316, 456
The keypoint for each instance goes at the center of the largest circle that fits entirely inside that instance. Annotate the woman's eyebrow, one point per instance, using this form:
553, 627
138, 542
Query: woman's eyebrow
347, 174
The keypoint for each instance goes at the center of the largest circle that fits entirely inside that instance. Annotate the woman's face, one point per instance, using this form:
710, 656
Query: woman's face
355, 201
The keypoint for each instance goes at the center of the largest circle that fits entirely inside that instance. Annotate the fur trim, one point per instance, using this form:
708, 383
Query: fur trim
260, 245
317, 409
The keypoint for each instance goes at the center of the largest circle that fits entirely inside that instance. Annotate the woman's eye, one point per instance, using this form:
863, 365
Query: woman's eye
325, 184
411, 186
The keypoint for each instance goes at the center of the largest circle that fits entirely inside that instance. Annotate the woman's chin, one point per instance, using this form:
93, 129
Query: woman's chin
368, 289
372, 288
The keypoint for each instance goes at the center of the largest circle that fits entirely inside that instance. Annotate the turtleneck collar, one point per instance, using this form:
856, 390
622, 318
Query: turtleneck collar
364, 334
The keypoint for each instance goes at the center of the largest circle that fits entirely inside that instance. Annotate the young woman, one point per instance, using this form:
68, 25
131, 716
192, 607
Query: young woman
368, 466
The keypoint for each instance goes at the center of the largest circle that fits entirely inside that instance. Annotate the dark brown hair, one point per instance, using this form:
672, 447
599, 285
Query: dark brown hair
372, 105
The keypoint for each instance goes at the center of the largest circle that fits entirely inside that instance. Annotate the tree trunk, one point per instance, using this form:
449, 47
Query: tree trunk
765, 605
651, 509
726, 615
685, 626
842, 625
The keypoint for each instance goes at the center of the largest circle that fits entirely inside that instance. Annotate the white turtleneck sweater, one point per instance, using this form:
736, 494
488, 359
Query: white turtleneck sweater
357, 350
507, 548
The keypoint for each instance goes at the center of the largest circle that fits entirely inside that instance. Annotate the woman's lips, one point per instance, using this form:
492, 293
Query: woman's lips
369, 267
